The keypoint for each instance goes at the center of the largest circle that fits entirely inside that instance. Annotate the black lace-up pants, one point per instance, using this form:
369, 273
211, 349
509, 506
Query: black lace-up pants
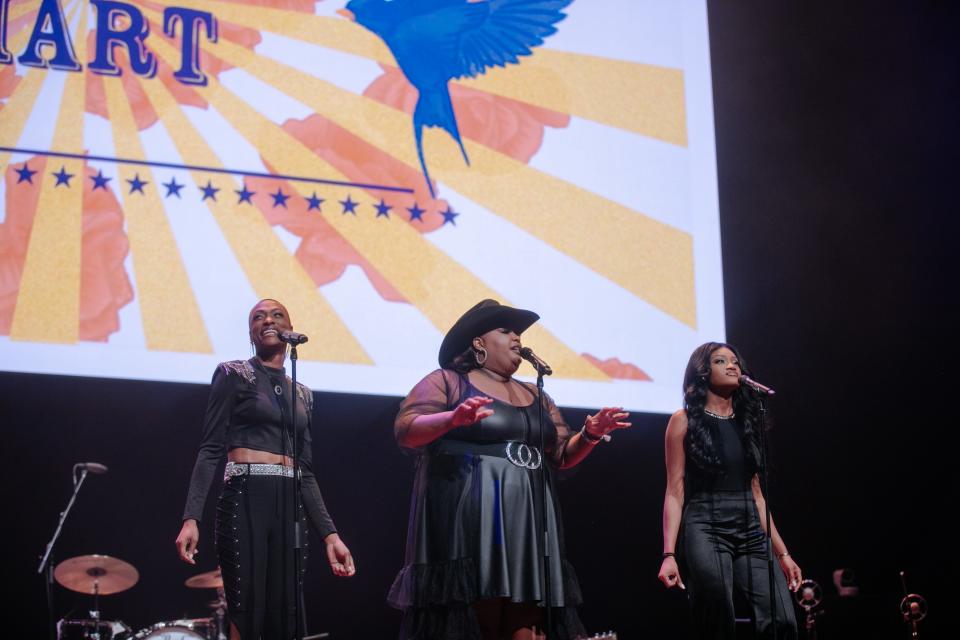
254, 537
723, 554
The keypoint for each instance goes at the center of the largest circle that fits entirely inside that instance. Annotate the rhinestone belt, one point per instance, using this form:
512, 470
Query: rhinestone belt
255, 469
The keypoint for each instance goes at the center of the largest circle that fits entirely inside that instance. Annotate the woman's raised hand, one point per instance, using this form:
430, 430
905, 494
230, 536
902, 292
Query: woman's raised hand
606, 420
470, 411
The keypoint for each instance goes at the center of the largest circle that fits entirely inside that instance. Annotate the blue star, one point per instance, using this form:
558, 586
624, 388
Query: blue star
279, 199
449, 215
383, 209
349, 206
244, 194
173, 188
209, 191
313, 202
25, 173
100, 181
62, 177
137, 184
416, 213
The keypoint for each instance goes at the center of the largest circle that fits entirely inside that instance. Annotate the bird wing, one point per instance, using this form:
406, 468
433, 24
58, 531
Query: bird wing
510, 29
465, 38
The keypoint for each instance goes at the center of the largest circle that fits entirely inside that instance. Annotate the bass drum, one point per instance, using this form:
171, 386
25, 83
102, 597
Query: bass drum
198, 629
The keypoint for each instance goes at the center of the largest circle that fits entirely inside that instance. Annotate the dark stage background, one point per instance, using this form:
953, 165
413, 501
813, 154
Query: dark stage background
836, 142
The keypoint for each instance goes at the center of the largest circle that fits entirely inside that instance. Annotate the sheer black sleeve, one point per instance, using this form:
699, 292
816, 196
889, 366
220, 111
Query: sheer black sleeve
313, 502
213, 440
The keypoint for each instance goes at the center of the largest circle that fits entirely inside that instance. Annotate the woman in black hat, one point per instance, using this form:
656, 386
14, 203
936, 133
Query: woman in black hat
474, 543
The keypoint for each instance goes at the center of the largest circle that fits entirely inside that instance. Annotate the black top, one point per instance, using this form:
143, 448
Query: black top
733, 473
444, 389
509, 422
244, 410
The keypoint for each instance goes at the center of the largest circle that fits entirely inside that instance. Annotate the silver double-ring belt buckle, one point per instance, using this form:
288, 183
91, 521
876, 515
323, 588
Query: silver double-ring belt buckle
523, 455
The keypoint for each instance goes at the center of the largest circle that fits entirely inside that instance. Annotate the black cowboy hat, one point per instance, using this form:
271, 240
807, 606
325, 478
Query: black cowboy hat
484, 316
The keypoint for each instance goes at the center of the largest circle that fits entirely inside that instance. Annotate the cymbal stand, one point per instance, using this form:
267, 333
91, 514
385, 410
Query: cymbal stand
220, 614
95, 614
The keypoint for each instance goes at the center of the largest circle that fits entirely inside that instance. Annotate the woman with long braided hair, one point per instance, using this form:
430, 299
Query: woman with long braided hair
714, 512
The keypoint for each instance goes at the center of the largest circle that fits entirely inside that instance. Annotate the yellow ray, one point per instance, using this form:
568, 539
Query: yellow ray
48, 301
271, 269
438, 286
591, 229
645, 99
171, 317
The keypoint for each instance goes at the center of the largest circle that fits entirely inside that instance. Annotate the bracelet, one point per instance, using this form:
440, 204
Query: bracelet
781, 556
591, 439
668, 554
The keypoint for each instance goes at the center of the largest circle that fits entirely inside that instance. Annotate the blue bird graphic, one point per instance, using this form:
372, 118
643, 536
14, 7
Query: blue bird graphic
435, 41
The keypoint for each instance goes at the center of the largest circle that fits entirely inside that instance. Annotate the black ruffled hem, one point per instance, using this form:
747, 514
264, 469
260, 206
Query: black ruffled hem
459, 622
423, 585
436, 600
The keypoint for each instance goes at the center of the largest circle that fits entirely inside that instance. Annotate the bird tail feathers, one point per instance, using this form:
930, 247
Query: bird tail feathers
434, 109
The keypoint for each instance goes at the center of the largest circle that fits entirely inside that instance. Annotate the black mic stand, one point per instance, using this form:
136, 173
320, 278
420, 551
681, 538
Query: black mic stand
46, 563
298, 534
545, 559
766, 497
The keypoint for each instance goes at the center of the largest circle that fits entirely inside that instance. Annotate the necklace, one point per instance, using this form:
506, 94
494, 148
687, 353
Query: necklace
719, 417
495, 376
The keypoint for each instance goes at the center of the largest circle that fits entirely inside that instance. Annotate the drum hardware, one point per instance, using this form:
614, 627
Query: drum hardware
84, 629
809, 596
913, 607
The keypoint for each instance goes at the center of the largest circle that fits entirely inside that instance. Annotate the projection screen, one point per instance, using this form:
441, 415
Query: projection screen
378, 166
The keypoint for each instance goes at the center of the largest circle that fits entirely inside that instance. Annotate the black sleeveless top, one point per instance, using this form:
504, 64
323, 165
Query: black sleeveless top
735, 472
509, 423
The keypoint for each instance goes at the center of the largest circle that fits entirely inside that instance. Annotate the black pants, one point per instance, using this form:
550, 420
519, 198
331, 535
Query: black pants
723, 552
254, 536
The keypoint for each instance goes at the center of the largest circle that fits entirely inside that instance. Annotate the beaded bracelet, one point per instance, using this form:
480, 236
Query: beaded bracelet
590, 438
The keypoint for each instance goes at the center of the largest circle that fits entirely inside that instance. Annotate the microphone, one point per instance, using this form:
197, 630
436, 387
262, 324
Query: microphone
542, 367
756, 386
92, 467
293, 338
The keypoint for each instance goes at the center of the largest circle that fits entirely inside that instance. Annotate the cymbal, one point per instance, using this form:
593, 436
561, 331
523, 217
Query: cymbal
96, 574
208, 580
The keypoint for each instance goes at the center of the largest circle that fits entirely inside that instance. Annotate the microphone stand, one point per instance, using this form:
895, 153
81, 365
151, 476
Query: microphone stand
298, 533
545, 559
46, 563
766, 496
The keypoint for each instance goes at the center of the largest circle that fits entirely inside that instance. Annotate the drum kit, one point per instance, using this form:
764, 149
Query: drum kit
98, 575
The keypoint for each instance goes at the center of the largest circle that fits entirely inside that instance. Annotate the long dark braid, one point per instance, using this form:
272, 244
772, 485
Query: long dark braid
698, 444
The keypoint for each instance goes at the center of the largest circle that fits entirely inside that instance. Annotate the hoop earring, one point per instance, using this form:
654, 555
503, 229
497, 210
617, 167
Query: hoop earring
476, 356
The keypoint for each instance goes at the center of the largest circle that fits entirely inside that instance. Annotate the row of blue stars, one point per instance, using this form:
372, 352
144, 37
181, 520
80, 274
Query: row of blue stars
25, 174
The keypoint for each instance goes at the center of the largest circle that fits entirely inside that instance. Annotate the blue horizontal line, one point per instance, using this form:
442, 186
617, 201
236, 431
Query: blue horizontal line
193, 167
